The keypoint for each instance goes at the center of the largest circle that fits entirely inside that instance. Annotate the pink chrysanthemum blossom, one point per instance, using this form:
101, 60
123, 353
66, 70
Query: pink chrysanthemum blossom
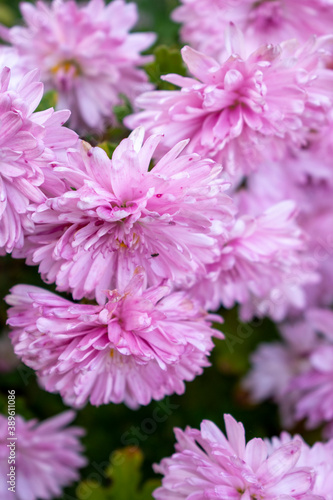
86, 53
48, 456
298, 373
208, 464
246, 109
306, 177
121, 214
262, 266
314, 385
141, 345
28, 143
265, 21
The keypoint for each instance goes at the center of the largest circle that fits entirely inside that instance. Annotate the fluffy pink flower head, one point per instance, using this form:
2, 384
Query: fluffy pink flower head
262, 266
28, 143
304, 391
208, 464
306, 177
48, 456
121, 215
246, 108
141, 345
86, 53
266, 21
314, 385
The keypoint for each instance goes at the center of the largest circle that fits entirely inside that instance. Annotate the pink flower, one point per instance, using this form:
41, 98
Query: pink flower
266, 21
86, 53
28, 143
141, 345
298, 373
246, 109
261, 266
121, 215
314, 385
208, 464
48, 457
306, 177
274, 365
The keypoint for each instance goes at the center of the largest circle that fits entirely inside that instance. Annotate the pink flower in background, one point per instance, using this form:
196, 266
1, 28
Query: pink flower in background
262, 266
28, 143
141, 345
86, 53
314, 386
306, 177
266, 21
120, 214
246, 109
48, 456
298, 373
208, 464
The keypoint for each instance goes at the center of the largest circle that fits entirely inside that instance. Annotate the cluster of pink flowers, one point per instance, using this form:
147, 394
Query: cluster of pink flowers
209, 464
47, 457
115, 218
221, 195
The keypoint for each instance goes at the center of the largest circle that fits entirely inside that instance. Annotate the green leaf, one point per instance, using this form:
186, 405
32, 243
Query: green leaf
124, 474
123, 110
7, 15
108, 147
167, 60
49, 100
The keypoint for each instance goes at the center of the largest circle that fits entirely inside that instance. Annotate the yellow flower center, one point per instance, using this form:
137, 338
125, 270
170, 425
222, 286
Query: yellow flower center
69, 66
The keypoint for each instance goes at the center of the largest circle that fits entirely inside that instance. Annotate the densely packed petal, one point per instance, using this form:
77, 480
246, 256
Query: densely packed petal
141, 345
248, 108
262, 266
29, 142
119, 214
47, 457
86, 53
209, 464
267, 21
306, 177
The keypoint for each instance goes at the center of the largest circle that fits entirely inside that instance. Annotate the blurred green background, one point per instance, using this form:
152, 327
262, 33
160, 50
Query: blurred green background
112, 427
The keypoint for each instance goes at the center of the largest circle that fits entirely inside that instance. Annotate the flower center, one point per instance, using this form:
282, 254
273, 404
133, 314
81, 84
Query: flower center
131, 241
65, 73
67, 67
